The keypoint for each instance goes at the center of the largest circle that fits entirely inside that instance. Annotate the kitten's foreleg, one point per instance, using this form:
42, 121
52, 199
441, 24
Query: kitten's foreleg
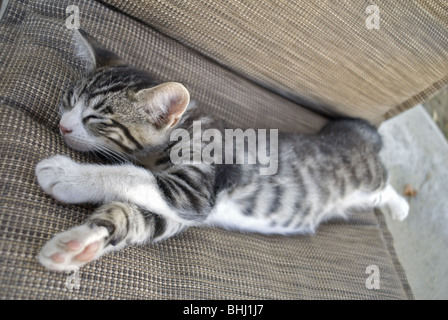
70, 182
110, 227
182, 195
139, 207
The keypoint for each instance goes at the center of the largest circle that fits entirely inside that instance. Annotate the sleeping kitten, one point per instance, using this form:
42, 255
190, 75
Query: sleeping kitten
123, 112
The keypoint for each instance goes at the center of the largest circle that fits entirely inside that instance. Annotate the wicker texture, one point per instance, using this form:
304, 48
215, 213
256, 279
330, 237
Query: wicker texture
317, 51
37, 62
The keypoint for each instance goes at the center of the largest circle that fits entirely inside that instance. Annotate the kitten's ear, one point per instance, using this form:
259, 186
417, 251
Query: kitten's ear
92, 53
166, 103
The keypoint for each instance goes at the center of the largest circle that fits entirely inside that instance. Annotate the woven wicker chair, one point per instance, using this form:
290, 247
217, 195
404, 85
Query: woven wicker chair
255, 63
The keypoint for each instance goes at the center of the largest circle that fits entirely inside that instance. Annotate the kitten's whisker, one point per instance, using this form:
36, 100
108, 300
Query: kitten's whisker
113, 154
96, 155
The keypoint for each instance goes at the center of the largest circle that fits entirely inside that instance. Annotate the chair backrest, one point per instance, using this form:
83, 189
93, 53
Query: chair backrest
343, 57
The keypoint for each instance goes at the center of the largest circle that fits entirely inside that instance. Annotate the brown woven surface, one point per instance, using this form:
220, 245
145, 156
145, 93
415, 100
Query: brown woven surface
318, 50
36, 63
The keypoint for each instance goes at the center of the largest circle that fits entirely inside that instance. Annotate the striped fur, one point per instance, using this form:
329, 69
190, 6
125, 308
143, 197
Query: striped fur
123, 113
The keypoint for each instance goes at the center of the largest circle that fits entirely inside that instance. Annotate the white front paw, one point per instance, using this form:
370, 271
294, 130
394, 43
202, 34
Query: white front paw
59, 177
71, 249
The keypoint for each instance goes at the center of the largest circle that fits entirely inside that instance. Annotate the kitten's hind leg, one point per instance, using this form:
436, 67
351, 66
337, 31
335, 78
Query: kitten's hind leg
110, 227
389, 200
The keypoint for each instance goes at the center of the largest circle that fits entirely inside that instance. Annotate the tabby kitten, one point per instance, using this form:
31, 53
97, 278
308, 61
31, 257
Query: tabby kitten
123, 112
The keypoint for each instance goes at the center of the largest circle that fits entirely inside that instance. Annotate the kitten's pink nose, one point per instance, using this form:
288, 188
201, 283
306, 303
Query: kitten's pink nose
64, 130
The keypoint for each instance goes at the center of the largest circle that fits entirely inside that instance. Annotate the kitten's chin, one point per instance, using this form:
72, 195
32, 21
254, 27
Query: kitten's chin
79, 145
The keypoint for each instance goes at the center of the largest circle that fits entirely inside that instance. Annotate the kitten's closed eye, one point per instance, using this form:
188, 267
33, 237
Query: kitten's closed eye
87, 119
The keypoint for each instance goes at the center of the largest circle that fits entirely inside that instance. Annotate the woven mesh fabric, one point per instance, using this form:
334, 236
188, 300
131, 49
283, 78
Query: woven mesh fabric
37, 63
317, 51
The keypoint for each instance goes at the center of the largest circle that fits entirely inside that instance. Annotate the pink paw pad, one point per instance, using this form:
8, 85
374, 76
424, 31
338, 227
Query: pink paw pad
73, 248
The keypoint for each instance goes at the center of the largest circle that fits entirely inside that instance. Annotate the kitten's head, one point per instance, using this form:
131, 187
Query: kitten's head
115, 107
